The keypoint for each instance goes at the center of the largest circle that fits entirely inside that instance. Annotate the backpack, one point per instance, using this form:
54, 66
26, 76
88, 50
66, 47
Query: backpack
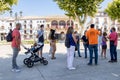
9, 37
67, 42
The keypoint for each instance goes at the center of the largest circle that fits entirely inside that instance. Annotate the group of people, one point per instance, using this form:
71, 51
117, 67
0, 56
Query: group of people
16, 42
93, 40
89, 39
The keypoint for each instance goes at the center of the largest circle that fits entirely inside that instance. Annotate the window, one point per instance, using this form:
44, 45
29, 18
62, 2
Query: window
25, 21
31, 26
24, 31
37, 21
30, 31
24, 26
30, 21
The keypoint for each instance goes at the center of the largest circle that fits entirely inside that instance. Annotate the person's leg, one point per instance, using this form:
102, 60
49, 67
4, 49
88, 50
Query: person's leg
99, 48
68, 57
72, 49
54, 49
104, 53
78, 49
91, 54
40, 52
15, 54
96, 53
111, 53
50, 50
74, 53
85, 50
115, 54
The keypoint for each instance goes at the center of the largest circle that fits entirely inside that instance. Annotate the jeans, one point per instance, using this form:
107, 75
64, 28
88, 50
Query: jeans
78, 50
70, 56
85, 49
113, 52
15, 54
93, 48
99, 48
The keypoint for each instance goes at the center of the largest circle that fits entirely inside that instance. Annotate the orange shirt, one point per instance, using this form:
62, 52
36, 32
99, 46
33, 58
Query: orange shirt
92, 35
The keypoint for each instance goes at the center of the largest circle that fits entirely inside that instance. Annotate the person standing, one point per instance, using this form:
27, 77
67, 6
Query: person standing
52, 39
92, 35
99, 41
40, 36
78, 44
104, 45
16, 47
70, 51
113, 37
85, 43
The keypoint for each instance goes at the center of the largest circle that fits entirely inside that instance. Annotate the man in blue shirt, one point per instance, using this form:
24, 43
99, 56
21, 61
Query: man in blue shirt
40, 36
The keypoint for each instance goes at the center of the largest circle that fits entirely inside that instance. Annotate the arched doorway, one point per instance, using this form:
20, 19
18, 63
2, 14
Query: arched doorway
70, 23
54, 23
62, 24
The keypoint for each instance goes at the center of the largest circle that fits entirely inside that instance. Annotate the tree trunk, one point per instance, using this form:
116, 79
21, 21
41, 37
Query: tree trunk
80, 25
80, 22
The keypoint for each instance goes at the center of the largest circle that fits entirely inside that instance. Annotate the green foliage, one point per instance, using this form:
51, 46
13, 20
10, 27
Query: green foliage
79, 8
6, 4
113, 10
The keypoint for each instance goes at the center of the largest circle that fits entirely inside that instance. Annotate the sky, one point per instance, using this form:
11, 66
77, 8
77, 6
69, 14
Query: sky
41, 8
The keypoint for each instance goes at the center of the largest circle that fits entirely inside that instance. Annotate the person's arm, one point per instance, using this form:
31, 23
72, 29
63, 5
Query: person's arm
74, 38
98, 32
37, 34
87, 35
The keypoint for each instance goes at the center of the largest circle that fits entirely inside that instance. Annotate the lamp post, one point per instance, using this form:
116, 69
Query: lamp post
16, 17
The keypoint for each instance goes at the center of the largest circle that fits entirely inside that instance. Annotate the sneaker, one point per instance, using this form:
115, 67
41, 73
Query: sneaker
53, 58
111, 61
115, 60
15, 70
89, 64
72, 68
80, 56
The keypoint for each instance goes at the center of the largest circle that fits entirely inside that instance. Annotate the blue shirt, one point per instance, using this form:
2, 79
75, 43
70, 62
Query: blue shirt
72, 42
40, 35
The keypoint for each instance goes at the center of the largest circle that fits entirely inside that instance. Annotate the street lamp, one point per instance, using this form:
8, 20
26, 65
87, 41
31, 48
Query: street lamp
16, 17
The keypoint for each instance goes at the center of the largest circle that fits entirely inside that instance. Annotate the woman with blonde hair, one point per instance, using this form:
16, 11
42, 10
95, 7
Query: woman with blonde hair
71, 49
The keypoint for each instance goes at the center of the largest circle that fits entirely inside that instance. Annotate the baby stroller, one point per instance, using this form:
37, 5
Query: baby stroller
34, 57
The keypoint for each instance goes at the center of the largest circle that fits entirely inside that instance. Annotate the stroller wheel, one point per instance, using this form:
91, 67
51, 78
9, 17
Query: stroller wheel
30, 64
25, 61
45, 62
41, 61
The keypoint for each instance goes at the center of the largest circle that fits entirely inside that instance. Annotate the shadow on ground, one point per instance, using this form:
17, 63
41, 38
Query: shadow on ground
56, 69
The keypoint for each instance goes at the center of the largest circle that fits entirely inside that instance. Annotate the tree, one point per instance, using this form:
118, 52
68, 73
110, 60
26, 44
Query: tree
6, 4
79, 9
113, 10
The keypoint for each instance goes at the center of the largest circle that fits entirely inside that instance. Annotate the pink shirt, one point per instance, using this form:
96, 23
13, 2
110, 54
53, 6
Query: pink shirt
15, 33
114, 37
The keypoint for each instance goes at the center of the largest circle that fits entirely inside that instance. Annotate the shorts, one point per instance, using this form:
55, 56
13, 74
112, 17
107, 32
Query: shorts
41, 47
104, 46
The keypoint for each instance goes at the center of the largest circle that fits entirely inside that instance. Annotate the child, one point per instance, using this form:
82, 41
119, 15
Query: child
104, 45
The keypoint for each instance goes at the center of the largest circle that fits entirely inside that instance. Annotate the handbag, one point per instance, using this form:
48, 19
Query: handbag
67, 42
